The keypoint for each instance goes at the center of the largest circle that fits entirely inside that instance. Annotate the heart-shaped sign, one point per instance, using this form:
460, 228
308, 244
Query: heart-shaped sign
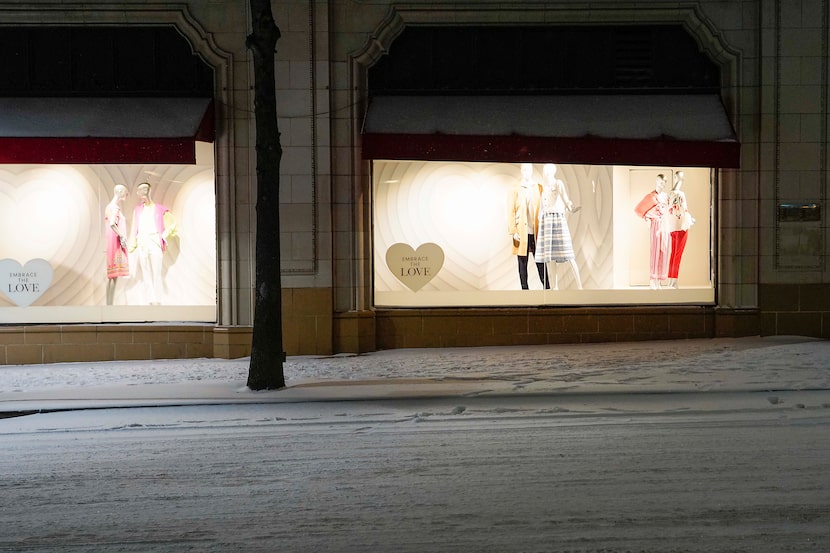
415, 267
23, 284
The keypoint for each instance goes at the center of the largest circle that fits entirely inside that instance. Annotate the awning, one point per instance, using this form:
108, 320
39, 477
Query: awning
674, 130
104, 130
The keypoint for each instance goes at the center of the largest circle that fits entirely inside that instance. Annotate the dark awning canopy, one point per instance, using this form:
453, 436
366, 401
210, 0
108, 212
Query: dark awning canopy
104, 130
674, 130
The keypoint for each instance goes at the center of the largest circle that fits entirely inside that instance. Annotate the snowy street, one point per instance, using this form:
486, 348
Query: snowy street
507, 474
696, 446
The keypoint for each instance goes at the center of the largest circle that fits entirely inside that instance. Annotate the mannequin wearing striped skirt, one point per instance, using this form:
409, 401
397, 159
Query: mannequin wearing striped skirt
554, 244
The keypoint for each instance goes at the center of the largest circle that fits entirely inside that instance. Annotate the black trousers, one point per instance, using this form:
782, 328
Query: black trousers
523, 260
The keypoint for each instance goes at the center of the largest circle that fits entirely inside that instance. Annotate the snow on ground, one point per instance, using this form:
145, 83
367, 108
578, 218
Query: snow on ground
721, 364
580, 448
496, 485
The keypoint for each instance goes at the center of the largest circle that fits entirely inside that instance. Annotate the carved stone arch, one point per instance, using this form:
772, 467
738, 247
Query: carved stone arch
202, 44
702, 29
178, 15
379, 42
713, 43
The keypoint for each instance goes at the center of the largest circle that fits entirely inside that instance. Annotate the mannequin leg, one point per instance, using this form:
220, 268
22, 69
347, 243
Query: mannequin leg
525, 259
659, 251
664, 255
149, 263
146, 272
544, 275
155, 276
653, 255
522, 260
553, 275
678, 244
111, 282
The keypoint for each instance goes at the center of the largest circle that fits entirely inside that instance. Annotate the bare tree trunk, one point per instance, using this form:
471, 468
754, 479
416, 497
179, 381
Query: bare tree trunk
267, 355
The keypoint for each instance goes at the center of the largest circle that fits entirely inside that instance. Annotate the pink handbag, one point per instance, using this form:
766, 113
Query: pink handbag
646, 204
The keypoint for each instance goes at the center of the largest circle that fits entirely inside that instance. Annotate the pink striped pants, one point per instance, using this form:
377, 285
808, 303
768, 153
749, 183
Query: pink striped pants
659, 254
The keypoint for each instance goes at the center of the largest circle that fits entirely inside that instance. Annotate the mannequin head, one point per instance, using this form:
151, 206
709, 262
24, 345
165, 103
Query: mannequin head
119, 192
143, 193
549, 171
660, 182
527, 170
678, 180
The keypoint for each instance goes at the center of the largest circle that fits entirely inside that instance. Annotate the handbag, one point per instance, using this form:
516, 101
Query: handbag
646, 204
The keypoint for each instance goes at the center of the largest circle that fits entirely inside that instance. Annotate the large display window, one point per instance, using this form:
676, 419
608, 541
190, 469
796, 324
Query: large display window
108, 243
509, 234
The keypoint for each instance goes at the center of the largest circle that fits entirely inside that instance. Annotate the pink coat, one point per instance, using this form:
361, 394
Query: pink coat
159, 219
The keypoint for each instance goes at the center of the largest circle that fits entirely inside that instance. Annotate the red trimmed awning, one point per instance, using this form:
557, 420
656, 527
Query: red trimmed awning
104, 130
676, 130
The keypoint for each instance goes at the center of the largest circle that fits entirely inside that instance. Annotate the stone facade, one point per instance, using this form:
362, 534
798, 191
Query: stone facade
772, 277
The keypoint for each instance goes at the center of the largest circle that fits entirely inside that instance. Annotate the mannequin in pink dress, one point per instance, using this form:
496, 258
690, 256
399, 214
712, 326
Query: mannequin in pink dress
118, 264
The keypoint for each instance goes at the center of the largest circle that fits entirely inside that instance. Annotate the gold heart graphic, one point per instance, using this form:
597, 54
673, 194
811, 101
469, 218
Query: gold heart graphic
415, 267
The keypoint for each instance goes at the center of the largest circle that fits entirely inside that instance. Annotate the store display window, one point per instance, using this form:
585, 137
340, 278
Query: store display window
519, 234
108, 243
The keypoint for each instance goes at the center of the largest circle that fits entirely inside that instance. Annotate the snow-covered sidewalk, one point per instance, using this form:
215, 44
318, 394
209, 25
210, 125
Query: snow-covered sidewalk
670, 446
707, 365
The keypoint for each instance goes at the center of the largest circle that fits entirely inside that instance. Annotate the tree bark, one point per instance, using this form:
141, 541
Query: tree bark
267, 355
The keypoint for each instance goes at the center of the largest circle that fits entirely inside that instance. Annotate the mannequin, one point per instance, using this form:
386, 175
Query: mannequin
522, 218
554, 244
679, 222
118, 264
654, 208
152, 226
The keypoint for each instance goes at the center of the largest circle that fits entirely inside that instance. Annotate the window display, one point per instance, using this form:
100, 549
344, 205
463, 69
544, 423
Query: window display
596, 234
108, 243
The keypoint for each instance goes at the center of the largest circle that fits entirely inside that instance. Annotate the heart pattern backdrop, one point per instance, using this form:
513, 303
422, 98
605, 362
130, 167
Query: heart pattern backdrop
188, 191
463, 208
48, 212
460, 207
191, 276
55, 213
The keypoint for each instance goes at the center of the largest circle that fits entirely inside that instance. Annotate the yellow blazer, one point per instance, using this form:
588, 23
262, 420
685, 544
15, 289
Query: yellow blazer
517, 212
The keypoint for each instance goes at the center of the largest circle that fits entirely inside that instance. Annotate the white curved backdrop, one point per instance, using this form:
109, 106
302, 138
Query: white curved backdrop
56, 213
462, 207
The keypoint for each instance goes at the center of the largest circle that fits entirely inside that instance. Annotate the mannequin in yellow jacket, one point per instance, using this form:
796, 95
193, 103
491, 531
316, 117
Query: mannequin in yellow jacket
522, 221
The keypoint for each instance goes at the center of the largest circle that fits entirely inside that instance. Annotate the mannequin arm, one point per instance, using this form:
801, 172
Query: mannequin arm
122, 239
564, 191
170, 226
